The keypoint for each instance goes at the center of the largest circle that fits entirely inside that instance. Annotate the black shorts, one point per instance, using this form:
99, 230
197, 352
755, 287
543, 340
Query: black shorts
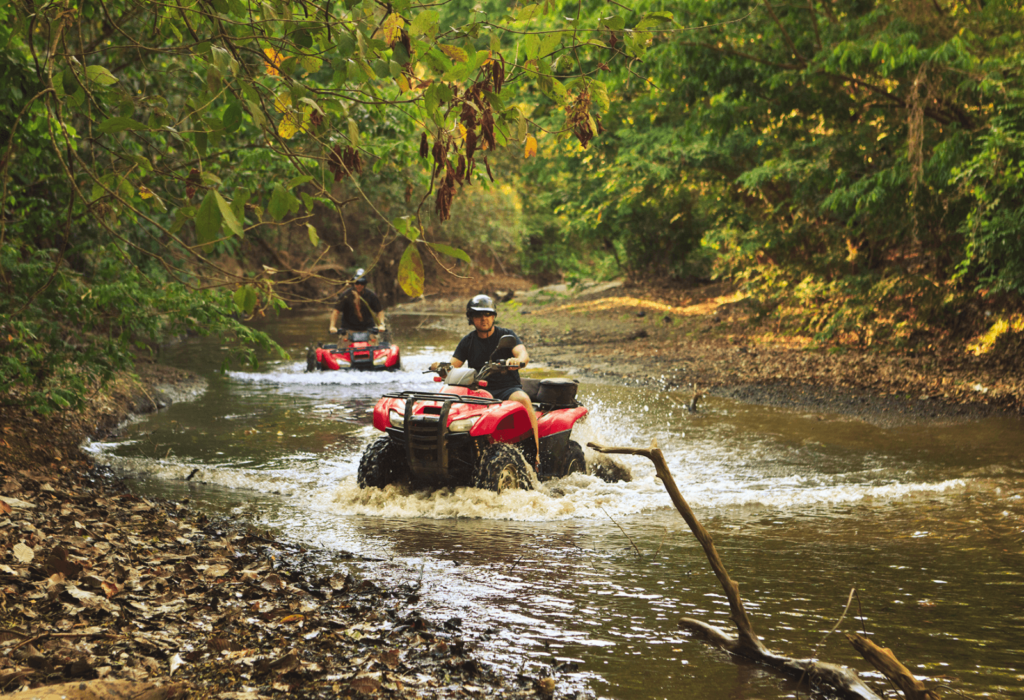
503, 394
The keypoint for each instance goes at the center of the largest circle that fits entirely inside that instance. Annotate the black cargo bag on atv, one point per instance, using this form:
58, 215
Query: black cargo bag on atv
556, 393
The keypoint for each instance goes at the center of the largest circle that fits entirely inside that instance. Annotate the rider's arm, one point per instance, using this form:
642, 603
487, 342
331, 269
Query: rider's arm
519, 354
380, 320
335, 317
456, 362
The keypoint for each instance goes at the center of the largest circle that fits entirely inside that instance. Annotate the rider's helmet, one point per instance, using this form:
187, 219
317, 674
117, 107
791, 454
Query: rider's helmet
481, 303
360, 277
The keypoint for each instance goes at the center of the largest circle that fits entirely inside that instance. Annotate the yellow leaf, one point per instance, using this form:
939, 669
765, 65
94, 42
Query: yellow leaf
273, 61
293, 618
283, 102
145, 192
462, 132
290, 125
454, 53
403, 83
531, 146
393, 28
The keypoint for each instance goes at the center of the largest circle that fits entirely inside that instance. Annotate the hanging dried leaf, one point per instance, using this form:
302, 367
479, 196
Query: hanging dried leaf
424, 146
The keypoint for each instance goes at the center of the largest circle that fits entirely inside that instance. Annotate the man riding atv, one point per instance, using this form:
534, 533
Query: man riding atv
358, 309
480, 346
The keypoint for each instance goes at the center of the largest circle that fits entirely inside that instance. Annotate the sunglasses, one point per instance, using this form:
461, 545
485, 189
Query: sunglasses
482, 315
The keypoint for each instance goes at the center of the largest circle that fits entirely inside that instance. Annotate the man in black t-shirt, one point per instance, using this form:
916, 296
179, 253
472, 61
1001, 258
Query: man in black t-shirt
358, 309
475, 349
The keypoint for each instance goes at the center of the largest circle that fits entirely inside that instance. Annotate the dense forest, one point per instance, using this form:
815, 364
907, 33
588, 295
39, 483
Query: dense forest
170, 168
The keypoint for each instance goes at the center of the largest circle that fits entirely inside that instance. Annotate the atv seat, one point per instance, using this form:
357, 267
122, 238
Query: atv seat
556, 393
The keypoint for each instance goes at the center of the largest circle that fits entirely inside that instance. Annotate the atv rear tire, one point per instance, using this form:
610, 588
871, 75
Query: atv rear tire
574, 460
502, 466
382, 463
311, 360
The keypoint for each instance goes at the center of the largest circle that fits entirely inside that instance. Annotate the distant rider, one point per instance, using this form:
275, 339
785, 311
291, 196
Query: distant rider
476, 349
358, 309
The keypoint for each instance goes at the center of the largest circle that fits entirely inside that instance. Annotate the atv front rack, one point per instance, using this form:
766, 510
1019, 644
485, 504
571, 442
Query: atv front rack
425, 435
454, 398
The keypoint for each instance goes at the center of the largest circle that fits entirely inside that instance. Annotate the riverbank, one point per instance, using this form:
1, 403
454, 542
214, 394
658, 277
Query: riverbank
106, 594
101, 587
707, 340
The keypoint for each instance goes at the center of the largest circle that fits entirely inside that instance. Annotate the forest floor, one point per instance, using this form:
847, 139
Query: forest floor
707, 340
105, 594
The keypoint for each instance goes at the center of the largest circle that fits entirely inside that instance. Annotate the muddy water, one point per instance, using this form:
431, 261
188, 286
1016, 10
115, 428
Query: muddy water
925, 522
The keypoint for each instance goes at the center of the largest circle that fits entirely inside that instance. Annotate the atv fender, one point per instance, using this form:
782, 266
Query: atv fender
381, 420
505, 423
560, 420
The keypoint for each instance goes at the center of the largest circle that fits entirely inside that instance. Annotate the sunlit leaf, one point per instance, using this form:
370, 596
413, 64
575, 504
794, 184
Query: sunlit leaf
283, 102
230, 221
100, 75
392, 28
410, 271
273, 61
531, 146
314, 239
454, 53
426, 23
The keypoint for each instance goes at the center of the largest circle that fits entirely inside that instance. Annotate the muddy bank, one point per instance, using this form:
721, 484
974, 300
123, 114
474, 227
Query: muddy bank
708, 340
106, 594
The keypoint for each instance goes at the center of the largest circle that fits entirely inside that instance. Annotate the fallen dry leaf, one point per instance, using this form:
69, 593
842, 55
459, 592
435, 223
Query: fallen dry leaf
23, 552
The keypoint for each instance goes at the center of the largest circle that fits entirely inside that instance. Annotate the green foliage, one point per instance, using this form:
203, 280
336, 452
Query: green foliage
144, 143
843, 159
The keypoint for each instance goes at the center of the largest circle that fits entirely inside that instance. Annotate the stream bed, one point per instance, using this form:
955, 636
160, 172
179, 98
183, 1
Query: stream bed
588, 579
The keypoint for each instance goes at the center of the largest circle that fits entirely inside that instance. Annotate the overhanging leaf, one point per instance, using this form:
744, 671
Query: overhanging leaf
116, 124
229, 216
100, 75
410, 271
208, 219
451, 252
279, 204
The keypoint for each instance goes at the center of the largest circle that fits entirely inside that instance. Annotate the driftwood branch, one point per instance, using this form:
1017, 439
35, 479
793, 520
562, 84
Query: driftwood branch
746, 642
885, 661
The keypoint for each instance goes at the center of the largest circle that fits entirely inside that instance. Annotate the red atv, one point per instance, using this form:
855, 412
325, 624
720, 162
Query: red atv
362, 352
462, 436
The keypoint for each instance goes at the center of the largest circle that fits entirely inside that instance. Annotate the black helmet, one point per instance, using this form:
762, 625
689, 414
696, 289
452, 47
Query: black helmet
481, 303
360, 277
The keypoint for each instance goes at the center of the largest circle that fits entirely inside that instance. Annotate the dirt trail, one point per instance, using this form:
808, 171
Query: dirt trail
707, 339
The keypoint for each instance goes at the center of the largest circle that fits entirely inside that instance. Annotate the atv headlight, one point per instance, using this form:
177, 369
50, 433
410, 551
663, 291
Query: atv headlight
462, 426
396, 419
379, 359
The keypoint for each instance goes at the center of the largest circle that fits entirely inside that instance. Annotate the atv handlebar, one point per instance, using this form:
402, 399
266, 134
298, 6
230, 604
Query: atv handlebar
374, 330
489, 368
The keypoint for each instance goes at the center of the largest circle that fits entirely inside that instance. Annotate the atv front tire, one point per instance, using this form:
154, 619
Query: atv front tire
311, 364
502, 466
382, 463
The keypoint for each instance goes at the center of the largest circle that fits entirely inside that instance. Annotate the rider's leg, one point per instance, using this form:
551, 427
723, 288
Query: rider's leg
522, 398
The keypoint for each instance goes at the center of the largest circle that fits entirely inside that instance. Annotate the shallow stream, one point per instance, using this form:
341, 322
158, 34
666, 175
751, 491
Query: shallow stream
926, 522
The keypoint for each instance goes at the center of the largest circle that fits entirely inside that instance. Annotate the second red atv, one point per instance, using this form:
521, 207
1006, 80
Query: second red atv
367, 350
462, 436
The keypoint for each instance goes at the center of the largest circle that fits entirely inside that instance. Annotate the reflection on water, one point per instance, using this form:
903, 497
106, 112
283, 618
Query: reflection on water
926, 522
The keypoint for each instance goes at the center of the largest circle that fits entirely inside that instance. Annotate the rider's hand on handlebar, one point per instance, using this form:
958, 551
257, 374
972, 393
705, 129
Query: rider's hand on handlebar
514, 363
333, 329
